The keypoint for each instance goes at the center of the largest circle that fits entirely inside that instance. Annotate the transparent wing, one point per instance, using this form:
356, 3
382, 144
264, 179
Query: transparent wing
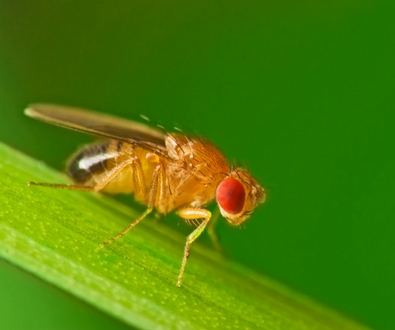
95, 123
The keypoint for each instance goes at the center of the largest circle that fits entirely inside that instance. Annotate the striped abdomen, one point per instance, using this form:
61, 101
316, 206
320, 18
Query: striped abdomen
90, 162
96, 161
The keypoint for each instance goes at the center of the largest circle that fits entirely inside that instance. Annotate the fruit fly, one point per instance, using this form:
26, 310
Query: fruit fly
165, 171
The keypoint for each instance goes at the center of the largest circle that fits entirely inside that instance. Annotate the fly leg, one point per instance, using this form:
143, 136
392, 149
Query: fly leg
138, 178
192, 214
154, 192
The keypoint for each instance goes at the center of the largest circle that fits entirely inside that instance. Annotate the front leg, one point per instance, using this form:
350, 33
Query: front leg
192, 214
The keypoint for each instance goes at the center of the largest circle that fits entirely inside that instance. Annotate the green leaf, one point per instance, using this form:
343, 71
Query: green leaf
55, 234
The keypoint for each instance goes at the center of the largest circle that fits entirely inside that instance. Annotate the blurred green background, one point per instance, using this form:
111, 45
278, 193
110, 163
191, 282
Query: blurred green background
302, 91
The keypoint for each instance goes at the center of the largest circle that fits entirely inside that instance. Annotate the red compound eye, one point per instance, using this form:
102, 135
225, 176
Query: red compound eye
231, 195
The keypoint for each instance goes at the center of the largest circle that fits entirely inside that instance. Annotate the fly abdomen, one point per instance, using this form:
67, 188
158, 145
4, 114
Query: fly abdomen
90, 162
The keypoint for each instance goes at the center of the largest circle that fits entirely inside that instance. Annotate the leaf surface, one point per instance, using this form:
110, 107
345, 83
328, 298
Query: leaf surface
55, 234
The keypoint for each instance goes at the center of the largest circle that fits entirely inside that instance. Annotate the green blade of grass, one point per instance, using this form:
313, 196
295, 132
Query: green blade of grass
55, 234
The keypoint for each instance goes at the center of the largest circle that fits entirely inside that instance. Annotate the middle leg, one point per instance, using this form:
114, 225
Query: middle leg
153, 192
